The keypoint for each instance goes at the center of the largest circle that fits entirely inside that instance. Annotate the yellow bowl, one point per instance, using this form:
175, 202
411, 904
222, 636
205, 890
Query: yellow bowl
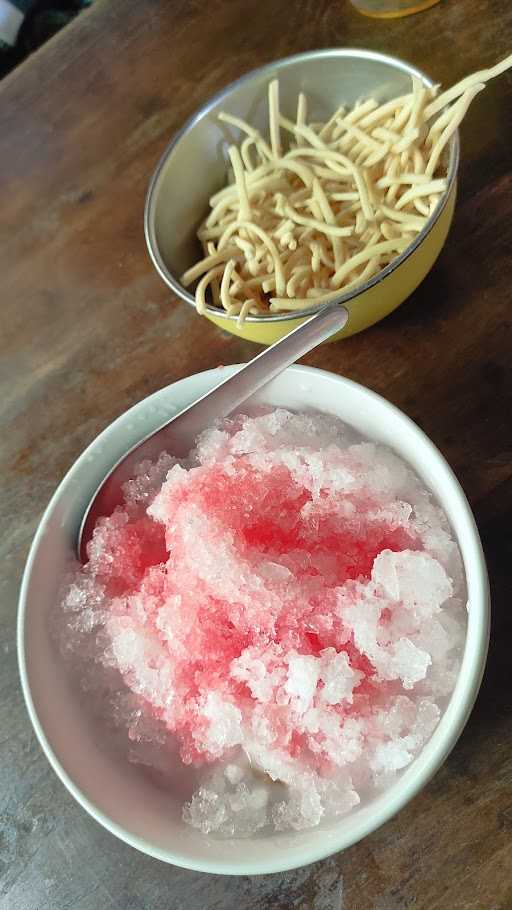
193, 167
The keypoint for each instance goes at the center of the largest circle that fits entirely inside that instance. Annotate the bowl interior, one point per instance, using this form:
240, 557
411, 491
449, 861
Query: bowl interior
122, 796
194, 165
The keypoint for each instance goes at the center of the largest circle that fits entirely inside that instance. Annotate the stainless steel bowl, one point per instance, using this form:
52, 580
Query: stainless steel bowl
194, 166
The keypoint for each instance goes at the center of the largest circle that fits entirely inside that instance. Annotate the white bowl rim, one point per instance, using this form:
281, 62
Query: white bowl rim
441, 743
152, 192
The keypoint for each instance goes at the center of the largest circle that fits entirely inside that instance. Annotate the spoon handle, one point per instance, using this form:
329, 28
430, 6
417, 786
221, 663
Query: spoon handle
178, 434
229, 394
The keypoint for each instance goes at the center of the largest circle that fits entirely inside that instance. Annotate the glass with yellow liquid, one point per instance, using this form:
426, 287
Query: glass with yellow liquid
391, 9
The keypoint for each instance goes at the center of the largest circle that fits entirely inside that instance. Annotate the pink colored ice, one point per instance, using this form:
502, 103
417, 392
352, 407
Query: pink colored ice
290, 605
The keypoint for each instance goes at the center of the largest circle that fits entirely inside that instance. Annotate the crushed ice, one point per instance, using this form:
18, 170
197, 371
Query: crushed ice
289, 605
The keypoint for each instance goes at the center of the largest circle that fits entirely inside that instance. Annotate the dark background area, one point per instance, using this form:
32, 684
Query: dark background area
45, 19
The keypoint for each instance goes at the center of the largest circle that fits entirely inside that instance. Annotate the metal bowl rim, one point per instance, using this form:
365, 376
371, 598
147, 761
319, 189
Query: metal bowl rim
152, 193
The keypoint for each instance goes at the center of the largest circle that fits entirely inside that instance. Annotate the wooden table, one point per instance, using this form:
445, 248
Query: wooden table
89, 329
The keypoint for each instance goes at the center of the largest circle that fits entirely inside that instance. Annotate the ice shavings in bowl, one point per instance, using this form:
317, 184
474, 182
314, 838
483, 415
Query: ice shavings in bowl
288, 605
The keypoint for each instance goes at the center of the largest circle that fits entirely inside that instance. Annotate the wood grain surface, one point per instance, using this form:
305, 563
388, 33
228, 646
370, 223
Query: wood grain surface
88, 329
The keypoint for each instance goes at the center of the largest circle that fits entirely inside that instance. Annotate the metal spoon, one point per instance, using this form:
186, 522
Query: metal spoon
178, 435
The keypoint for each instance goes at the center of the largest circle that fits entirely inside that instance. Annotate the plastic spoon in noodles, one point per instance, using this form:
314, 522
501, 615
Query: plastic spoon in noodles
177, 436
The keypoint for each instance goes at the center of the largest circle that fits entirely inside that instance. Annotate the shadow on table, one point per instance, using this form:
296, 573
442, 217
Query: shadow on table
43, 19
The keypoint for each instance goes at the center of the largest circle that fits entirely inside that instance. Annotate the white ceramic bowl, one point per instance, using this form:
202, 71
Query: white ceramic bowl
120, 796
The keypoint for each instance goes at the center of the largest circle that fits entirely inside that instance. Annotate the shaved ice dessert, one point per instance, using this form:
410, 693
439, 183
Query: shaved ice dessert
285, 609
